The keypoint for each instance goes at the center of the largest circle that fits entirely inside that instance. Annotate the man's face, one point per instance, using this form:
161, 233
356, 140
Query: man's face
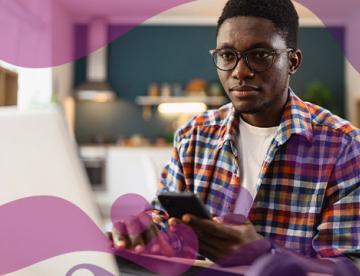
252, 93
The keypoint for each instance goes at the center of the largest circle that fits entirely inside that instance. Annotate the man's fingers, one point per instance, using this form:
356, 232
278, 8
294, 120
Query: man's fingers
120, 240
156, 242
142, 235
139, 249
187, 218
165, 247
210, 228
152, 236
149, 234
215, 244
121, 244
209, 251
109, 235
127, 235
174, 221
236, 219
134, 230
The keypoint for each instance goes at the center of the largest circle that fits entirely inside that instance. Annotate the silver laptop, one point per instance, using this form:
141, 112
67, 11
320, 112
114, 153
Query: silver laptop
38, 157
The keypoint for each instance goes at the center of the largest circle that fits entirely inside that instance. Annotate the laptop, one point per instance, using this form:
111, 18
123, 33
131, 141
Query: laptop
44, 188
41, 177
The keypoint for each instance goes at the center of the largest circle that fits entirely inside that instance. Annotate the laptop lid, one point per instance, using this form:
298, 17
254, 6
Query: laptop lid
39, 160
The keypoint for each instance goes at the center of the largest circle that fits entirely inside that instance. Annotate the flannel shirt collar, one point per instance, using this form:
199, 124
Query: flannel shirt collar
296, 119
230, 128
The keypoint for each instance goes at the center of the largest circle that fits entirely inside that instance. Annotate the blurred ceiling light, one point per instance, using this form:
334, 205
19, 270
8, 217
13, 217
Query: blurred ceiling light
174, 108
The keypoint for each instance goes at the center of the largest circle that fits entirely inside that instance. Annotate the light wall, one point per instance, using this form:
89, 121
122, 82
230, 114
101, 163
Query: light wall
352, 75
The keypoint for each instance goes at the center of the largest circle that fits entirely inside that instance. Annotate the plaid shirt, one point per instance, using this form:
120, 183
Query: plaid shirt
307, 193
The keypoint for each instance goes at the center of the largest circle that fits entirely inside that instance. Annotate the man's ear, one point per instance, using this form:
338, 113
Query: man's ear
295, 58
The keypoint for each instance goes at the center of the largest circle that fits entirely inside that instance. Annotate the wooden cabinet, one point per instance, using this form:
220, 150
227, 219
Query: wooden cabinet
8, 87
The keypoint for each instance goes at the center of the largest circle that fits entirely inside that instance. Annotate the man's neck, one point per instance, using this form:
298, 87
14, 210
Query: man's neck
269, 117
269, 120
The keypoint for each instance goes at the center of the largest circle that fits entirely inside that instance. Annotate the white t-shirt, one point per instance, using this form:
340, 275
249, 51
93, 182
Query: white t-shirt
252, 144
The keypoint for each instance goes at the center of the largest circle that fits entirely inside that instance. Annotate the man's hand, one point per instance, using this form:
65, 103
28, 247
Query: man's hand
141, 236
226, 240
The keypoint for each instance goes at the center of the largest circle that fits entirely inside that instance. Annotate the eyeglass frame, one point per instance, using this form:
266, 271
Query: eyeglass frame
240, 55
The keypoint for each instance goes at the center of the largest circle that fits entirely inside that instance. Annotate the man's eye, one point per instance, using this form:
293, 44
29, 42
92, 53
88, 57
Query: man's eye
227, 55
260, 55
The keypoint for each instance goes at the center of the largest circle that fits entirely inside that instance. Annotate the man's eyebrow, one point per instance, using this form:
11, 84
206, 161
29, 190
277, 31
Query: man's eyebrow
260, 45
250, 47
226, 45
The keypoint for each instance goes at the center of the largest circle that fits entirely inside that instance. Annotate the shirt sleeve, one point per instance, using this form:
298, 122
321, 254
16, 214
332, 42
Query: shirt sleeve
339, 229
171, 180
172, 177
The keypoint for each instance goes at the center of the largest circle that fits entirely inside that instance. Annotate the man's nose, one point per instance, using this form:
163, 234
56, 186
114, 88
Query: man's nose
242, 70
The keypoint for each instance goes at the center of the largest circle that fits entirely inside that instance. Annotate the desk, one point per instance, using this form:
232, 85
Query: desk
198, 268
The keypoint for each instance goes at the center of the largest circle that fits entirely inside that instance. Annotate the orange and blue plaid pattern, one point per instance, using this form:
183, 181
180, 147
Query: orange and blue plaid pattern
308, 189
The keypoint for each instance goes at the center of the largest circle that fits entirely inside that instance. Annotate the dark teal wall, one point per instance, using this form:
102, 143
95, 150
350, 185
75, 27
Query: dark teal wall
159, 54
322, 61
178, 54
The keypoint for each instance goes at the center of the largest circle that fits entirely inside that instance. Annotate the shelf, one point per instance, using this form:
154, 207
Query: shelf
208, 100
147, 102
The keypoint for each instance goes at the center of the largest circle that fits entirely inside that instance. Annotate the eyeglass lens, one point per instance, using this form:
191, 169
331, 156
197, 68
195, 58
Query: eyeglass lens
257, 60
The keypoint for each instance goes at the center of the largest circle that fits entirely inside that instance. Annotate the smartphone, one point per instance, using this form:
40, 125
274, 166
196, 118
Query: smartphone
179, 204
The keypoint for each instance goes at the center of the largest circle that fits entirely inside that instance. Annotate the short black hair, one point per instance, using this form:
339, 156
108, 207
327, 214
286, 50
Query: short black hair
281, 12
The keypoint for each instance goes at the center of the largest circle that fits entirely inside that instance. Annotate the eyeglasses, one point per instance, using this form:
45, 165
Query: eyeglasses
258, 60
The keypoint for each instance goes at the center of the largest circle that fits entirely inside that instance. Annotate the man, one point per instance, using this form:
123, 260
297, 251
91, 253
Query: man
292, 168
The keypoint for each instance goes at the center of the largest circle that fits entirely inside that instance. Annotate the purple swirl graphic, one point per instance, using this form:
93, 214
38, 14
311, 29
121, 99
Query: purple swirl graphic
40, 227
48, 226
131, 206
128, 207
39, 33
96, 270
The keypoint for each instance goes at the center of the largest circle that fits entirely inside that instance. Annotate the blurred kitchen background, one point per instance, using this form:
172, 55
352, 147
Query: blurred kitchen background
124, 101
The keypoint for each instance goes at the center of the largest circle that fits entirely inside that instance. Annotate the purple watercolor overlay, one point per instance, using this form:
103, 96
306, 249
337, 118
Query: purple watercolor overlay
36, 228
37, 32
127, 209
96, 270
36, 37
245, 201
40, 227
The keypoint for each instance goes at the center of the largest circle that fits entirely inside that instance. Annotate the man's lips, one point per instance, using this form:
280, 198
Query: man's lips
244, 91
